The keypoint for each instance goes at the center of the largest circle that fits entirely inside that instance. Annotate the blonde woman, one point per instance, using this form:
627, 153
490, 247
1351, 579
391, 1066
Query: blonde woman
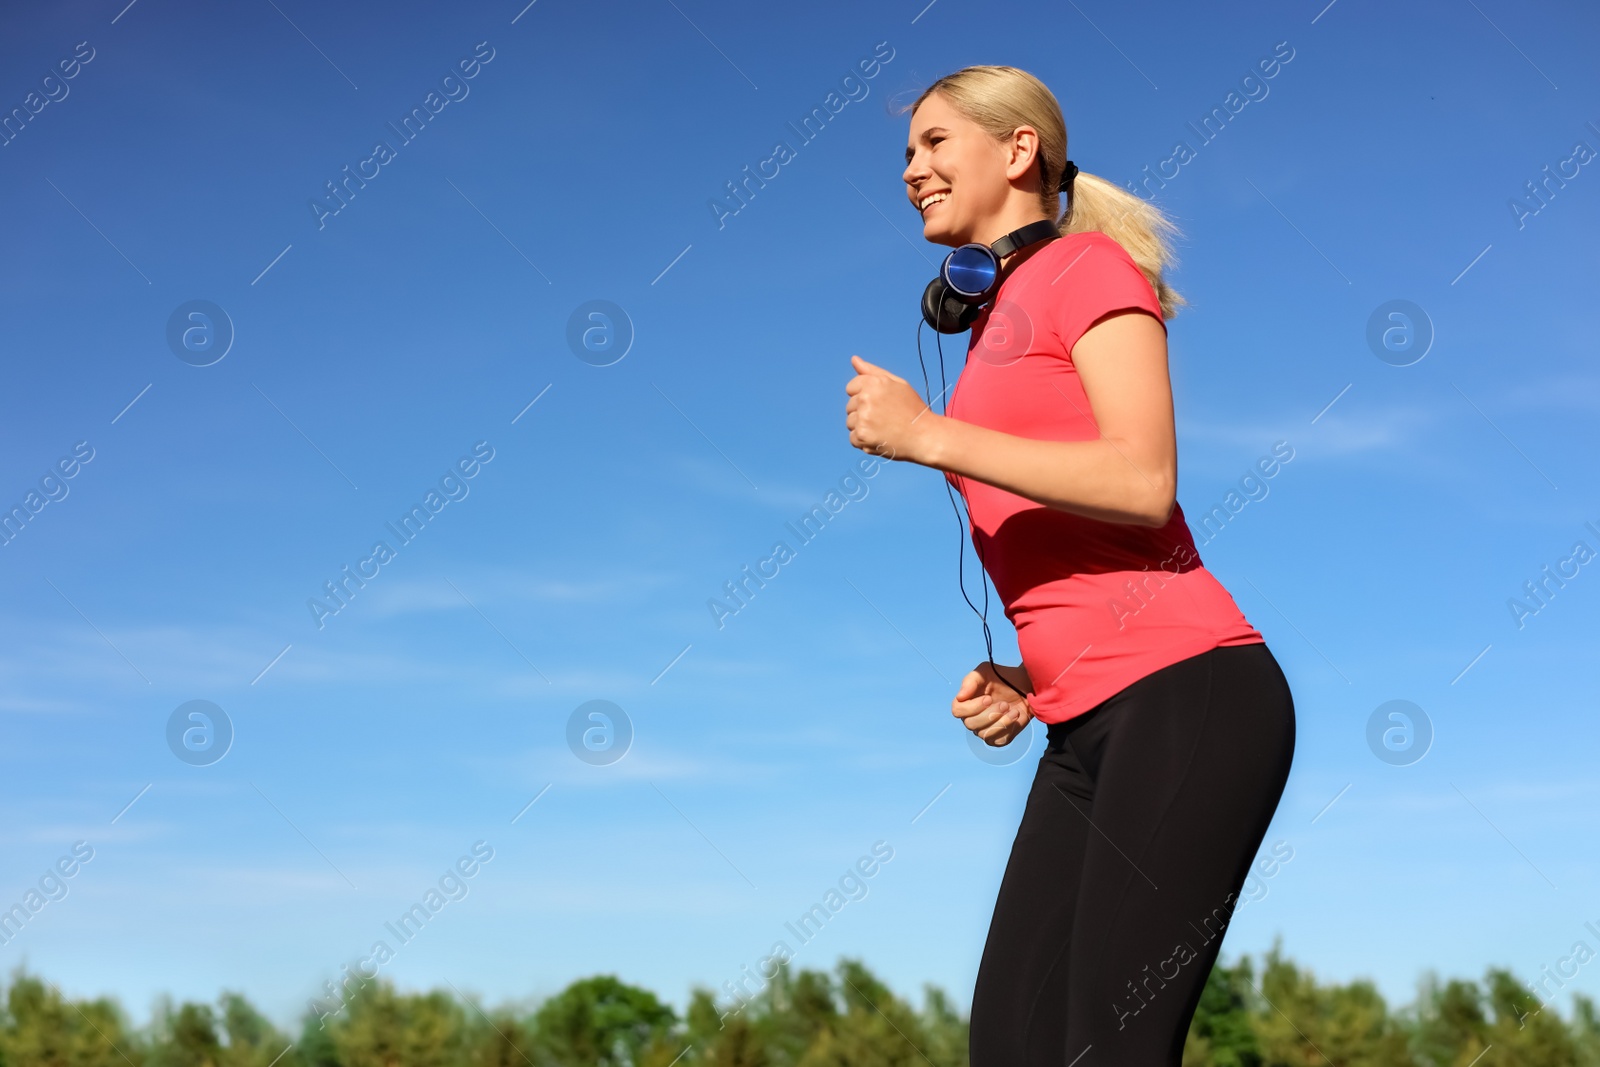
1170, 725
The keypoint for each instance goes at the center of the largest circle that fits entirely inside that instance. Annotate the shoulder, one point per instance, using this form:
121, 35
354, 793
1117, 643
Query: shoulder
1084, 265
1089, 266
1087, 276
1088, 246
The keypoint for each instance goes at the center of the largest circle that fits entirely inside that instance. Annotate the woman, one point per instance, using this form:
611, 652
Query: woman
1170, 725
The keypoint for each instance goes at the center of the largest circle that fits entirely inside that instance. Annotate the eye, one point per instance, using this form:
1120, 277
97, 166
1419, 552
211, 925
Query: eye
934, 140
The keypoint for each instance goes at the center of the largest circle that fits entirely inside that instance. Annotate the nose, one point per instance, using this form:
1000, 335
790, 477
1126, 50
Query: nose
915, 173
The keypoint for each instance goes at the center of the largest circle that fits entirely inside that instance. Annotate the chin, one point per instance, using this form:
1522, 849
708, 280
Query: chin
939, 233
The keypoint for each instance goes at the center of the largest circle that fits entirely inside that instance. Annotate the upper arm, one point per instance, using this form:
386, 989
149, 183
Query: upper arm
1122, 362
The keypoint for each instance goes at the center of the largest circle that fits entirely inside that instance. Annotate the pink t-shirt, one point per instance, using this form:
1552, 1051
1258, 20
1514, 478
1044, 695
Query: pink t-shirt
1096, 605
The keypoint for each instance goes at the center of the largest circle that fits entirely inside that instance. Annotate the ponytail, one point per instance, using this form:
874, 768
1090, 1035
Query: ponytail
1133, 222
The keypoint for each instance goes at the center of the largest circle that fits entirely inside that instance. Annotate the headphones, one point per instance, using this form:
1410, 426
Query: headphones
968, 279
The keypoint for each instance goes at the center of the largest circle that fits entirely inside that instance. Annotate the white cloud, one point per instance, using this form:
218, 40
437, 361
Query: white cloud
784, 500
503, 586
1574, 390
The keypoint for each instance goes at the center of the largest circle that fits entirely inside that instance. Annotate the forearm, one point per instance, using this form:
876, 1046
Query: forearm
1097, 479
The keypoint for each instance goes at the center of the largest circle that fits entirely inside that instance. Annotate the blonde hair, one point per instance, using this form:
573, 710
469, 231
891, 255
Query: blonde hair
999, 99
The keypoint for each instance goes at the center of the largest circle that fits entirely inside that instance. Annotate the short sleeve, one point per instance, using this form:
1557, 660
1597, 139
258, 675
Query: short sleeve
1096, 278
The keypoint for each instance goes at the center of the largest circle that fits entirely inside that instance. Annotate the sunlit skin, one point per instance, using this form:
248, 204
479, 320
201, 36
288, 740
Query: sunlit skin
1127, 475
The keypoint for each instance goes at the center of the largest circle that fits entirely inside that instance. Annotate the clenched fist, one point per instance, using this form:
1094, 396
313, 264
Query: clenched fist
990, 707
885, 416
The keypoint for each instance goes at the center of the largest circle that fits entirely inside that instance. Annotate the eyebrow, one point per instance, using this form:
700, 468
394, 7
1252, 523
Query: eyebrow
930, 131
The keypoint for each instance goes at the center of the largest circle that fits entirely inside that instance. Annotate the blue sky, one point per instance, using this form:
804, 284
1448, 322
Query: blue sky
375, 347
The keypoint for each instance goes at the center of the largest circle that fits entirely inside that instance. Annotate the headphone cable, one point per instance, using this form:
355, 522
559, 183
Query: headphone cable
961, 553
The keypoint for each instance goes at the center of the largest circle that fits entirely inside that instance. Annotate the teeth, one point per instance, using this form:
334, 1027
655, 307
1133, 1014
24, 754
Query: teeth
934, 199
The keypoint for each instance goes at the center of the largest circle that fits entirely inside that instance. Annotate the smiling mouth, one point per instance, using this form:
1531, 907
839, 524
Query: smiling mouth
942, 198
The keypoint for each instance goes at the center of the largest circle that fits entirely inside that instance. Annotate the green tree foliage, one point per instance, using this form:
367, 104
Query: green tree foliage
1266, 1013
603, 1022
250, 1040
42, 1029
382, 1028
1222, 1033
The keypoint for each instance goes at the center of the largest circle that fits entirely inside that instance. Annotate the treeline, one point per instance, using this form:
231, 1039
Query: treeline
1279, 1017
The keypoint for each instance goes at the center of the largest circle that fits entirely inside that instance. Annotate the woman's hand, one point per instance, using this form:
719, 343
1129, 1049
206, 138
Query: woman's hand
885, 415
990, 707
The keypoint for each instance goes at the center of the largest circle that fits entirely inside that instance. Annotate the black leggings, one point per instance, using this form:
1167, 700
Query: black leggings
1144, 817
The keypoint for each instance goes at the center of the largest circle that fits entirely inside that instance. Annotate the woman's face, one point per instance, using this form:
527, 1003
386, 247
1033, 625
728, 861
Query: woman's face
953, 160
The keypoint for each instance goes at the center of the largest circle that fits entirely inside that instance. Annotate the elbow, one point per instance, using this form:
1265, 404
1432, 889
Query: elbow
1161, 507
1149, 486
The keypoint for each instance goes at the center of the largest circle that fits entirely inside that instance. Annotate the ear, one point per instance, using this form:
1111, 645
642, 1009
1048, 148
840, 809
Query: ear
1024, 152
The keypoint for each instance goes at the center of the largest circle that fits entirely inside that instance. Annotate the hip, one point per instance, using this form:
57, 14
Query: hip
1239, 688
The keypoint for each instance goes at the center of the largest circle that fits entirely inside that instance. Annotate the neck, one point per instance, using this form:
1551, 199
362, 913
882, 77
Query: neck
1020, 256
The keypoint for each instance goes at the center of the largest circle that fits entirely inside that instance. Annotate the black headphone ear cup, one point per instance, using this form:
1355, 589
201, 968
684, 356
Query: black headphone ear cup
944, 312
931, 304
